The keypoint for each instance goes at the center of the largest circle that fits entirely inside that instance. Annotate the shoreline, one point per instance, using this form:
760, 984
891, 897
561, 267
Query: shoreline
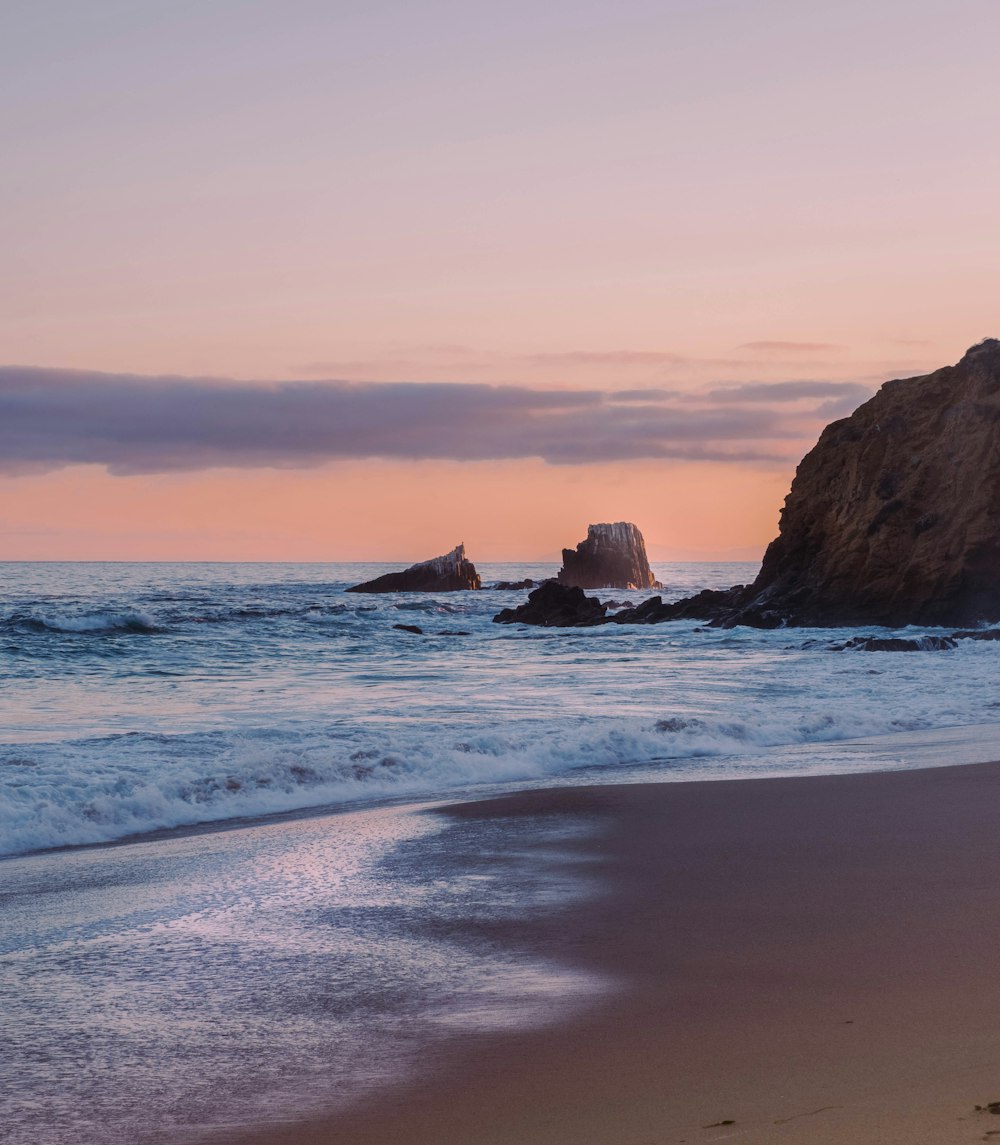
805, 959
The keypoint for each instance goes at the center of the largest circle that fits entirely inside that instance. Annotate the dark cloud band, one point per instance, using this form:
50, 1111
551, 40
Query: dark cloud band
132, 424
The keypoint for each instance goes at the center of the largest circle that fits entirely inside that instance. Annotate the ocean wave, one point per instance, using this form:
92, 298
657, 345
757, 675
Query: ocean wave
103, 789
43, 620
248, 702
83, 622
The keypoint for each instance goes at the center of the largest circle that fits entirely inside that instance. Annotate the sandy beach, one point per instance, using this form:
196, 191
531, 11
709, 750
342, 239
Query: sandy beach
808, 960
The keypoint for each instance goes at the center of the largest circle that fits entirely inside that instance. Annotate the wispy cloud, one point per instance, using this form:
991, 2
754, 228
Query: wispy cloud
790, 391
790, 347
837, 408
650, 395
614, 358
133, 424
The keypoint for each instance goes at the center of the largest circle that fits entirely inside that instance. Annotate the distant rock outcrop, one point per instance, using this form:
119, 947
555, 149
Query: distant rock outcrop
612, 556
898, 644
450, 573
554, 605
894, 516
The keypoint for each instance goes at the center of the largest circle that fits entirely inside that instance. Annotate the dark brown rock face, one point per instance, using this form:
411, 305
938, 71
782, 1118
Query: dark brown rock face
555, 605
894, 516
449, 573
612, 556
897, 644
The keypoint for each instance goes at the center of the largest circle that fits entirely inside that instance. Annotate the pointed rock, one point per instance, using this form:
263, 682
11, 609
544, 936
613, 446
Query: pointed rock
450, 573
612, 556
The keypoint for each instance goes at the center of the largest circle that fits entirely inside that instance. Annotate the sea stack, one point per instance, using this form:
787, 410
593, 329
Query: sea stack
894, 516
450, 573
612, 556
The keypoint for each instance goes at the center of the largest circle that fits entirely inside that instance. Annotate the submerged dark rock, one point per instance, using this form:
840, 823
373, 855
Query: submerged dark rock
513, 585
555, 605
415, 629
650, 611
450, 573
719, 607
612, 556
897, 644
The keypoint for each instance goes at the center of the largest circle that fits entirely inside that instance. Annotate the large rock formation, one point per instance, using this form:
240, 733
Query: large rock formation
612, 556
894, 516
449, 573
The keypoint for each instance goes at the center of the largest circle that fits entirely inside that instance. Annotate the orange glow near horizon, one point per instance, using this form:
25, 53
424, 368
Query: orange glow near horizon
389, 511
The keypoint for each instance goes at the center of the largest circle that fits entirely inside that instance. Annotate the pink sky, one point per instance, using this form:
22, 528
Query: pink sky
677, 195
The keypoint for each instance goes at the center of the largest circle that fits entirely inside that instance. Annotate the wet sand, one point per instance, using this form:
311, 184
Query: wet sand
811, 960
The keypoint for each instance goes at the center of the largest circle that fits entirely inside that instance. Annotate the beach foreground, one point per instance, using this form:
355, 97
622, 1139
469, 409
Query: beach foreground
798, 960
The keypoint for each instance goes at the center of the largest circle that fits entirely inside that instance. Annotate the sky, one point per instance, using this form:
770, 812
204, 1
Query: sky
320, 280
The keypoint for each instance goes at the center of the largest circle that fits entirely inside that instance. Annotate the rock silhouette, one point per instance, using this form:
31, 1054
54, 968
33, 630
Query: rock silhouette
450, 573
894, 516
897, 644
554, 605
612, 556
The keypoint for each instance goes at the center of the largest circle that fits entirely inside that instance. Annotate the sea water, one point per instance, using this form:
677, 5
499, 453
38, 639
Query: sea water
236, 978
157, 984
135, 697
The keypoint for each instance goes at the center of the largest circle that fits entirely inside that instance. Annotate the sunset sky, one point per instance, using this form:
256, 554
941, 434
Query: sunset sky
324, 280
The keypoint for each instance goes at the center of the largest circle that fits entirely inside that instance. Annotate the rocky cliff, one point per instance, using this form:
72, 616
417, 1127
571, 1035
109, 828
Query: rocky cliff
612, 556
894, 516
449, 573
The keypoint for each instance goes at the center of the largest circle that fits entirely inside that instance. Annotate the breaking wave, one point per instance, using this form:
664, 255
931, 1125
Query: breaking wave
142, 697
83, 622
100, 790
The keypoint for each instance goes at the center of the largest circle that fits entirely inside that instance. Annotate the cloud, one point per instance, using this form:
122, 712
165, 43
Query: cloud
132, 424
789, 347
652, 395
837, 408
617, 358
790, 391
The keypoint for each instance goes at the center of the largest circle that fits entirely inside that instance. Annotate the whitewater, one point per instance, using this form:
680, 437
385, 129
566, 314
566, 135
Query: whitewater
138, 697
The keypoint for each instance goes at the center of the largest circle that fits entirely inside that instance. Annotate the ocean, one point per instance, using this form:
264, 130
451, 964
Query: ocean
135, 697
215, 977
142, 696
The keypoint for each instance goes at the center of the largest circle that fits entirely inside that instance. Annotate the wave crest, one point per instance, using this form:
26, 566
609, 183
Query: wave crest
98, 790
84, 622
